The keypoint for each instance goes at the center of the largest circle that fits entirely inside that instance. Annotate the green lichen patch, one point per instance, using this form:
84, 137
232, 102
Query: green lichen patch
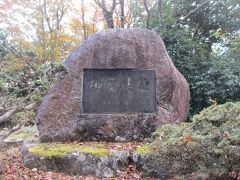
144, 149
61, 150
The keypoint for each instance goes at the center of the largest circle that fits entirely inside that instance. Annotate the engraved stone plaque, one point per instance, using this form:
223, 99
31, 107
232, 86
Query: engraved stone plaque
113, 91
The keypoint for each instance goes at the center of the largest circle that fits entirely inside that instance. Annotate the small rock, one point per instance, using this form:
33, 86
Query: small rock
147, 140
82, 157
123, 159
120, 139
108, 172
135, 137
34, 169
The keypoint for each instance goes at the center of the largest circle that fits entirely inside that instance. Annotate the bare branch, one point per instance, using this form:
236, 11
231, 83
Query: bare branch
113, 6
60, 9
5, 117
83, 20
10, 132
191, 12
108, 14
46, 15
100, 4
149, 11
146, 7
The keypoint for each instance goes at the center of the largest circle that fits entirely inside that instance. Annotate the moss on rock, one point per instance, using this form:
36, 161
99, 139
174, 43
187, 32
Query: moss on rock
144, 149
96, 151
61, 150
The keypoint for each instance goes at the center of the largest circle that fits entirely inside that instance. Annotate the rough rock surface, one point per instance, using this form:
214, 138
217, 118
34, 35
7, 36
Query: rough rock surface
60, 116
78, 163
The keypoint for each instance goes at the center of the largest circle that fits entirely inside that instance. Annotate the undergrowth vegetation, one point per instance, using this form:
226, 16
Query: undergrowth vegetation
21, 88
208, 147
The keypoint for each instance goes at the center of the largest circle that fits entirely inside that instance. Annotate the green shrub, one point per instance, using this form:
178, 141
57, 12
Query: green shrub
206, 148
20, 88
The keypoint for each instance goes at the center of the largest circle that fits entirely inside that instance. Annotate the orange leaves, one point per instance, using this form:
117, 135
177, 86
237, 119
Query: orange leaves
187, 139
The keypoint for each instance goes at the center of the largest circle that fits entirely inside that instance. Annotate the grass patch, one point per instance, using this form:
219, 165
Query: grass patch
145, 149
61, 150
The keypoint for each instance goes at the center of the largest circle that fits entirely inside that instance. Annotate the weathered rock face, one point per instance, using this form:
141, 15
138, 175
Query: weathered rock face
69, 110
103, 166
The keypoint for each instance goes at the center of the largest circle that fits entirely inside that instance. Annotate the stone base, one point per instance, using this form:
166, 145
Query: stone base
78, 163
84, 163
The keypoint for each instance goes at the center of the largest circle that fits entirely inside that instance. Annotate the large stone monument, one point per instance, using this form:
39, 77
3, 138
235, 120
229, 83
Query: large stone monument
121, 84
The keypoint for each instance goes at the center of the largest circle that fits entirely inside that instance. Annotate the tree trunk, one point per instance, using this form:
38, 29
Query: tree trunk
109, 19
83, 20
108, 14
149, 13
160, 15
122, 13
191, 12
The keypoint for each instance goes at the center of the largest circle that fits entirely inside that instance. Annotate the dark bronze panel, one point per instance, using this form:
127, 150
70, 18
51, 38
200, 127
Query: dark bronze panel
119, 91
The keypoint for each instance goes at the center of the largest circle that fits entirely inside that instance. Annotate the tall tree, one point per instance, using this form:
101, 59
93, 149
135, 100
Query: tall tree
107, 13
83, 19
47, 19
149, 9
160, 15
121, 2
191, 30
82, 27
